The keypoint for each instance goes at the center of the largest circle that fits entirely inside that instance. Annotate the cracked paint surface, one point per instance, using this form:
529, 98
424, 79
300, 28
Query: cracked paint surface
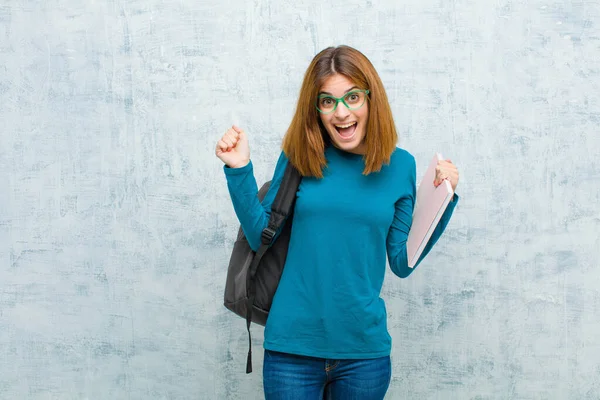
116, 226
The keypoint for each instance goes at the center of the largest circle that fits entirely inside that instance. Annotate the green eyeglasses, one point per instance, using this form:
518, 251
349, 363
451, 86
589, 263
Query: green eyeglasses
353, 100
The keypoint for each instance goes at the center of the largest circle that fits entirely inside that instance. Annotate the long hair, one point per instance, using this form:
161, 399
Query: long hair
306, 138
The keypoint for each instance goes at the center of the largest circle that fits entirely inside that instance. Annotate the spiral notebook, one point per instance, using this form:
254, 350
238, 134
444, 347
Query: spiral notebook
429, 207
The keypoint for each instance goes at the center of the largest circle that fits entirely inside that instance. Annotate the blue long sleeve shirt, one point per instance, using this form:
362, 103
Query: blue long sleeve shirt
345, 226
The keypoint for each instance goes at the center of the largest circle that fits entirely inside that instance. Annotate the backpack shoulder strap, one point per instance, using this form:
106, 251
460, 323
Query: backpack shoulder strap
283, 202
280, 210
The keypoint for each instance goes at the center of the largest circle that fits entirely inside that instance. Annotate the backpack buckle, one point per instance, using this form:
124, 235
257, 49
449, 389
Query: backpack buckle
267, 235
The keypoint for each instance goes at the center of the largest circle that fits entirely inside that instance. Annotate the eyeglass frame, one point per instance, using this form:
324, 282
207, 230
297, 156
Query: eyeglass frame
338, 99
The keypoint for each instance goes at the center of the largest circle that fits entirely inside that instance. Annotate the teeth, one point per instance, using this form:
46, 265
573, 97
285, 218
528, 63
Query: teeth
345, 126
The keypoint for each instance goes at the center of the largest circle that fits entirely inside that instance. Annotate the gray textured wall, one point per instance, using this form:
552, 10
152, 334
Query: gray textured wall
115, 222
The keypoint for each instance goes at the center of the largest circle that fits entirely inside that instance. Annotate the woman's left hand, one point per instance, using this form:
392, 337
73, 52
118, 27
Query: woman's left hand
446, 170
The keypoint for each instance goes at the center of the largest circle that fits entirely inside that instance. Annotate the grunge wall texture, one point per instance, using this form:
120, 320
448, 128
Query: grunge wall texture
116, 226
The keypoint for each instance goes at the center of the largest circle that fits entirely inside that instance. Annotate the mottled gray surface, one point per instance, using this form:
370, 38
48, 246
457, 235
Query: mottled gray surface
115, 222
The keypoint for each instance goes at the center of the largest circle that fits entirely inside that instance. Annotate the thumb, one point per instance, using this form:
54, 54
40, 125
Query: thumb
237, 129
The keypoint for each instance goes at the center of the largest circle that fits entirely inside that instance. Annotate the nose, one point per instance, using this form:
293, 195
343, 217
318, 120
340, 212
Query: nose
341, 111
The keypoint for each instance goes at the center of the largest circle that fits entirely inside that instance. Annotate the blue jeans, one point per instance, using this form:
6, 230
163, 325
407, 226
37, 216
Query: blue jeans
292, 377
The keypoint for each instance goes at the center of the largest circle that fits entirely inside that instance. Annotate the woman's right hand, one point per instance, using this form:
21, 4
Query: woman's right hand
233, 148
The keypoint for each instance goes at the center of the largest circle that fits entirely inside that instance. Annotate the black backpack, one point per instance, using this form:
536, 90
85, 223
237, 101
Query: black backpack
253, 277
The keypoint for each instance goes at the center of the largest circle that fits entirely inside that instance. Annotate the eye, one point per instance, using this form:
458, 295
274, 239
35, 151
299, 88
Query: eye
353, 97
326, 101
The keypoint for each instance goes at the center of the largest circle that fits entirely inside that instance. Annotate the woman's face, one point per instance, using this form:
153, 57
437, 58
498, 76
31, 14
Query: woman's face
346, 128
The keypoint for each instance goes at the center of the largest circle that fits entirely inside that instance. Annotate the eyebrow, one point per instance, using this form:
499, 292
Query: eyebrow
353, 87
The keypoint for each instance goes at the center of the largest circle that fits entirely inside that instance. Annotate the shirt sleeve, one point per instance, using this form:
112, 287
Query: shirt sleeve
252, 214
400, 228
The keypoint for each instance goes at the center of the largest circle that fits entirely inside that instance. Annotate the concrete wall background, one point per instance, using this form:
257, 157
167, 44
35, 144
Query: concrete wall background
116, 226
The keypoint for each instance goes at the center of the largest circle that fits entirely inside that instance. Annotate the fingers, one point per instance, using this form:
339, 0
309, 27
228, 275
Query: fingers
222, 146
442, 171
446, 170
451, 178
446, 167
235, 133
239, 132
229, 140
438, 180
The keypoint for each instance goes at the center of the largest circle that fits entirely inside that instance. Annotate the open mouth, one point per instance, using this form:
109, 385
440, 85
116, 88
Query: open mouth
346, 131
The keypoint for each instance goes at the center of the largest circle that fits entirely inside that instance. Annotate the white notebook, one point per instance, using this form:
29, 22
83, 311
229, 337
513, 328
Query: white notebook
430, 205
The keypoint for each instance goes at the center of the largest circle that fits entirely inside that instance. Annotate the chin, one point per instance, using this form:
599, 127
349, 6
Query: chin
349, 147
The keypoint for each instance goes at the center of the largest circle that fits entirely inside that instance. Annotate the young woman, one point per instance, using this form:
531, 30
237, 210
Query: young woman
326, 335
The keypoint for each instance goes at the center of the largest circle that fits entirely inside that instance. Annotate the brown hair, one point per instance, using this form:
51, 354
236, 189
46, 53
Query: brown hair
305, 140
